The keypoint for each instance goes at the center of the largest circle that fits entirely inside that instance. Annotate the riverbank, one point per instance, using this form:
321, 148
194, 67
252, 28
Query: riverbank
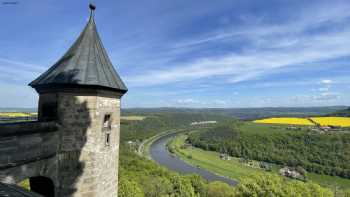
234, 169
144, 147
160, 154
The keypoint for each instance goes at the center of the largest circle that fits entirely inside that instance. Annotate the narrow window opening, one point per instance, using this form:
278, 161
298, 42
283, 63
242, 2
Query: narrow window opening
107, 139
107, 121
107, 127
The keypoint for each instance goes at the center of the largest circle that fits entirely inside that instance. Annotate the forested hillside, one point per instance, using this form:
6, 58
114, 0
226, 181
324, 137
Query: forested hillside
321, 153
342, 113
139, 176
244, 113
154, 123
142, 177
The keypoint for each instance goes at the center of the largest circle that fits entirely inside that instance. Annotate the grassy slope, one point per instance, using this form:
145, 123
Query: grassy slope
234, 169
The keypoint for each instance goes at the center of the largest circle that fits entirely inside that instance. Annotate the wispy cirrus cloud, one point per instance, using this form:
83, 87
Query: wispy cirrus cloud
269, 47
201, 102
13, 70
299, 22
197, 53
240, 67
326, 96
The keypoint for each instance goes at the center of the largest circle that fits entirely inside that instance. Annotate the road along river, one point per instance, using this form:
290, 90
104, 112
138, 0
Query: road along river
161, 155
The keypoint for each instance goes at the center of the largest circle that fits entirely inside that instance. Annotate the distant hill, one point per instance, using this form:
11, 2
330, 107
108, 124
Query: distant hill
240, 113
245, 113
342, 113
11, 109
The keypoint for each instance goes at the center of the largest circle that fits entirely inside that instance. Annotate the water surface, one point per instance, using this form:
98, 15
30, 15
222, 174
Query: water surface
161, 155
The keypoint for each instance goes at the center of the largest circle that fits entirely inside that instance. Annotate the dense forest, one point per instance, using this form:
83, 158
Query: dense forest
341, 113
320, 153
158, 122
140, 177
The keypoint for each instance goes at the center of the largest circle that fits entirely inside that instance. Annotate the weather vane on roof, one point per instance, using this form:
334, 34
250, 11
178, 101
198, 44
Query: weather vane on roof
92, 7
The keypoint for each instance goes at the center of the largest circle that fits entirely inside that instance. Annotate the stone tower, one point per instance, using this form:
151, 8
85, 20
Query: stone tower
82, 92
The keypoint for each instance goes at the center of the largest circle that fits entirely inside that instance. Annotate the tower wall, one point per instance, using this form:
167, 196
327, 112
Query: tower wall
88, 151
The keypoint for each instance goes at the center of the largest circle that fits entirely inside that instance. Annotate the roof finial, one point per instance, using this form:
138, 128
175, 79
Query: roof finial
92, 8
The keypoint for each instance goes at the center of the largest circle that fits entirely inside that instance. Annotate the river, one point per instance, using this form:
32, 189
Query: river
161, 155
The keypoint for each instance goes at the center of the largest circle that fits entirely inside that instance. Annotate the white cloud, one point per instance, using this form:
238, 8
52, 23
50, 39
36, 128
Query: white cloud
326, 96
326, 81
22, 64
13, 70
220, 102
274, 47
325, 92
323, 89
201, 103
323, 99
246, 66
187, 101
321, 13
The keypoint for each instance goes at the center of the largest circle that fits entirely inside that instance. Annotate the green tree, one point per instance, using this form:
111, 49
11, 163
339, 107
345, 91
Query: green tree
309, 189
156, 186
198, 184
182, 187
260, 186
129, 189
276, 186
347, 193
220, 189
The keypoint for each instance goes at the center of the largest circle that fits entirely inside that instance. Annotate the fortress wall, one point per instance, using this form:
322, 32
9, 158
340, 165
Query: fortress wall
73, 151
26, 149
26, 128
25, 142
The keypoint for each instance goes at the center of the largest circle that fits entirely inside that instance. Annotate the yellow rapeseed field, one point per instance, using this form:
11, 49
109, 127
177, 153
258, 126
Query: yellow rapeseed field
293, 121
323, 121
14, 114
332, 121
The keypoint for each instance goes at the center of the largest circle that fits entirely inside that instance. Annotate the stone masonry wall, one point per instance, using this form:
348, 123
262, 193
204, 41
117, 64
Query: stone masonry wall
87, 165
27, 150
79, 152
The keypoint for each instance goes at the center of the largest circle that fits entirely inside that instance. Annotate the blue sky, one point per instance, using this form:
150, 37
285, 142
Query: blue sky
198, 53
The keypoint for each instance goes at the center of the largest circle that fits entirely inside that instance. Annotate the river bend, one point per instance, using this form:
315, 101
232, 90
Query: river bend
161, 155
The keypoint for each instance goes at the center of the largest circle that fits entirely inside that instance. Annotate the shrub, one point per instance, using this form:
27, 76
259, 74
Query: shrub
129, 189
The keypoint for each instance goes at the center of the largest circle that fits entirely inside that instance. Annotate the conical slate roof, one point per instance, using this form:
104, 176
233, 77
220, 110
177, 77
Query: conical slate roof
86, 63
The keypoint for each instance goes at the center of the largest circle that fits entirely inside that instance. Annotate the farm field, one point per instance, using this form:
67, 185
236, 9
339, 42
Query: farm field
16, 114
233, 168
293, 121
132, 117
323, 121
334, 121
